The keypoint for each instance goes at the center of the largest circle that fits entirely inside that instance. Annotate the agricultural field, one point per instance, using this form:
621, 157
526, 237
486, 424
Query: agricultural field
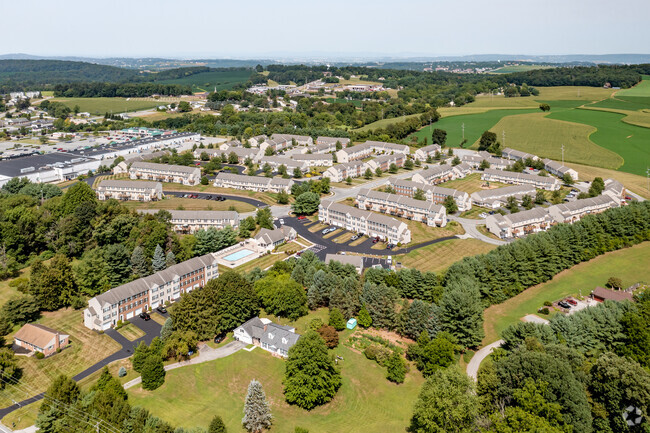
208, 81
101, 106
192, 395
519, 68
578, 280
440, 256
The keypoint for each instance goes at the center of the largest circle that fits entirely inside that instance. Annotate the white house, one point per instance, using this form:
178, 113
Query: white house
271, 337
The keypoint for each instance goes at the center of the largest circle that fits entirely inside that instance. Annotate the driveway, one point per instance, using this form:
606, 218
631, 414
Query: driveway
471, 230
475, 362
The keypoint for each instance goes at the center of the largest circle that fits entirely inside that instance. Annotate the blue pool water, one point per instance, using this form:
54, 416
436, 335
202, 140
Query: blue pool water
238, 255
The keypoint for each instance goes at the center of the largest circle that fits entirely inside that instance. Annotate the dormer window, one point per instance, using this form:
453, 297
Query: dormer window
270, 336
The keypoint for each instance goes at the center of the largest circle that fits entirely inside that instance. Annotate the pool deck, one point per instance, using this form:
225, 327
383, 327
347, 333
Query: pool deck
225, 257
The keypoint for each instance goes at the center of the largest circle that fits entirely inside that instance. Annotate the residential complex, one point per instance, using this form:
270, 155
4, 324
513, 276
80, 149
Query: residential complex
543, 182
364, 150
559, 170
385, 161
423, 153
129, 190
277, 339
252, 183
130, 299
189, 221
435, 194
340, 172
270, 239
165, 173
497, 197
332, 141
365, 222
315, 159
475, 161
517, 155
242, 153
574, 210
438, 174
290, 164
402, 206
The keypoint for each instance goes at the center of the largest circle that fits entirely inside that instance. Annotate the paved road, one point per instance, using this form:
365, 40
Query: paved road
475, 362
471, 230
203, 195
150, 327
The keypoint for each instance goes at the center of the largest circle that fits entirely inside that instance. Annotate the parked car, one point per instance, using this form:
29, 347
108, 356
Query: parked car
161, 309
302, 217
564, 304
389, 246
208, 197
144, 315
325, 231
299, 253
572, 302
219, 338
355, 237
222, 198
627, 197
375, 240
281, 221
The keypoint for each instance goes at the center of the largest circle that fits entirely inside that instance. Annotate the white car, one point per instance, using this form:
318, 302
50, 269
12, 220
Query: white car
281, 222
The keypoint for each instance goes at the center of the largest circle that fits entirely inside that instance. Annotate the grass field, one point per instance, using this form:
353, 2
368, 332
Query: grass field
385, 122
174, 203
470, 184
207, 81
366, 401
580, 279
633, 182
421, 232
519, 68
440, 256
131, 332
100, 106
356, 102
86, 348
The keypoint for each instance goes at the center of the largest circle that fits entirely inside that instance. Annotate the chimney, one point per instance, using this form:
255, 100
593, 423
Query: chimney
56, 341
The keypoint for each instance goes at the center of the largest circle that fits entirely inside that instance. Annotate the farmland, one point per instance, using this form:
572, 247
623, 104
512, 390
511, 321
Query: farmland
100, 106
519, 68
208, 81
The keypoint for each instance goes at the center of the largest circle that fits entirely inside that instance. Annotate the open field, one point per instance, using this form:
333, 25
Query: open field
519, 68
421, 232
385, 122
85, 349
176, 203
638, 118
579, 280
208, 81
100, 106
191, 396
633, 182
440, 256
470, 184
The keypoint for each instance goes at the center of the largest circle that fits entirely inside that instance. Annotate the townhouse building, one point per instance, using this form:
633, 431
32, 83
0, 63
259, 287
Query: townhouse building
558, 169
575, 210
476, 160
315, 159
615, 189
128, 300
543, 182
289, 163
384, 162
364, 150
129, 190
257, 140
441, 173
165, 173
364, 222
402, 206
189, 221
340, 172
300, 140
332, 141
324, 148
519, 224
517, 155
495, 198
423, 153
252, 183
434, 194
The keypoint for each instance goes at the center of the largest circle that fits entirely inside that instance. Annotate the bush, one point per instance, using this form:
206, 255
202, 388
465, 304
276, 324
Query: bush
316, 324
121, 372
544, 310
330, 336
39, 355
548, 304
378, 354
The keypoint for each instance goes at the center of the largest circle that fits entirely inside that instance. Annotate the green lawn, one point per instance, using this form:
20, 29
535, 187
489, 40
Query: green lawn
366, 401
470, 184
440, 256
100, 106
519, 68
627, 264
207, 81
176, 203
131, 332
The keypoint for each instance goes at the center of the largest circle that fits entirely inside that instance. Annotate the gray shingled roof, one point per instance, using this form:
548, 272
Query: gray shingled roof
356, 261
165, 167
111, 183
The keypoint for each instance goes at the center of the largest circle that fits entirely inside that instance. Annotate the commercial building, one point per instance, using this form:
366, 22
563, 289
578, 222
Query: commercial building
497, 197
252, 183
130, 299
340, 172
165, 173
385, 161
189, 221
543, 182
365, 222
435, 194
277, 339
129, 190
39, 338
405, 207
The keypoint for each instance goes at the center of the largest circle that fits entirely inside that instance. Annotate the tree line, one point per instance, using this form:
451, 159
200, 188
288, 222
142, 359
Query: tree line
124, 90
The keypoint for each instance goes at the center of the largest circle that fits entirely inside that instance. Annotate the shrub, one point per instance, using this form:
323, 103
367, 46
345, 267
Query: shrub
548, 304
39, 355
316, 324
121, 372
544, 310
330, 336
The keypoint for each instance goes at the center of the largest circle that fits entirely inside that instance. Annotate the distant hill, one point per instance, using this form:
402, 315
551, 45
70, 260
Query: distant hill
39, 72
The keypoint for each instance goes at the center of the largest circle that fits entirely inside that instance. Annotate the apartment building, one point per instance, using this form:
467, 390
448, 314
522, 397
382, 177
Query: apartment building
324, 148
543, 182
435, 194
364, 150
575, 210
315, 159
332, 141
257, 140
300, 140
440, 173
559, 170
129, 190
340, 172
519, 224
517, 155
423, 153
189, 221
130, 299
402, 206
384, 162
615, 189
495, 198
289, 163
252, 183
476, 160
165, 173
242, 153
365, 222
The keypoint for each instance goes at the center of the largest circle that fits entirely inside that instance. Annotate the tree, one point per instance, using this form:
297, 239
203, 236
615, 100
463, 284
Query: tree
204, 180
158, 262
306, 203
447, 403
268, 171
409, 164
378, 172
184, 107
511, 204
348, 180
217, 425
597, 187
57, 285
310, 377
556, 197
179, 345
283, 197
461, 314
527, 202
170, 259
483, 165
367, 174
20, 309
450, 205
139, 265
264, 219
63, 391
90, 273
282, 296
257, 411
488, 142
540, 197
364, 320
392, 168
337, 321
77, 194
614, 283
439, 136
329, 335
544, 107
380, 300
455, 161
167, 329
297, 173
9, 368
117, 264
153, 372
396, 368
567, 179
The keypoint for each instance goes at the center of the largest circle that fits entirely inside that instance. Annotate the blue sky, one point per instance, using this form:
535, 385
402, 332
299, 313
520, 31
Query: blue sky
256, 28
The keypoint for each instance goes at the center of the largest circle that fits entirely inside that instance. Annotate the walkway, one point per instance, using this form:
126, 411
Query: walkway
475, 362
471, 230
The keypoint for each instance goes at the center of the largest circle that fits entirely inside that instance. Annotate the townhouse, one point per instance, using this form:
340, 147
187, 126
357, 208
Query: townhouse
289, 163
385, 161
435, 194
300, 140
424, 153
324, 148
476, 160
575, 210
165, 173
340, 172
615, 189
364, 150
495, 198
519, 224
441, 173
559, 170
252, 183
257, 140
128, 300
129, 190
189, 221
517, 155
243, 154
315, 159
399, 205
332, 141
543, 182
364, 222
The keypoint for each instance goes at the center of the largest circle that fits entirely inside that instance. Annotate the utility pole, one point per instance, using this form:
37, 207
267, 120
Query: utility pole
647, 172
503, 134
562, 154
463, 128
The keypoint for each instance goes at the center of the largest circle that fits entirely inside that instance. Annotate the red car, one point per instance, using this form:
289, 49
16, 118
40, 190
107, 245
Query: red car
302, 217
572, 302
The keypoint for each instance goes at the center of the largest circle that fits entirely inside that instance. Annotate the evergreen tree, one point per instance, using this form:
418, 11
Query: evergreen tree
380, 301
336, 319
76, 195
158, 262
257, 412
118, 264
217, 425
396, 368
364, 320
153, 372
461, 314
450, 205
167, 329
139, 265
170, 259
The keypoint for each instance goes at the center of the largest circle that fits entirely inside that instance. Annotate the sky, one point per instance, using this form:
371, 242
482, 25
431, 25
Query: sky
337, 28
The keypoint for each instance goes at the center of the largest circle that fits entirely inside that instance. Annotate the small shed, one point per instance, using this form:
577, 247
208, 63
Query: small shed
352, 323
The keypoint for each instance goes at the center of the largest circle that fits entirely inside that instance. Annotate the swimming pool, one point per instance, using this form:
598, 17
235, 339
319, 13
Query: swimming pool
238, 255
